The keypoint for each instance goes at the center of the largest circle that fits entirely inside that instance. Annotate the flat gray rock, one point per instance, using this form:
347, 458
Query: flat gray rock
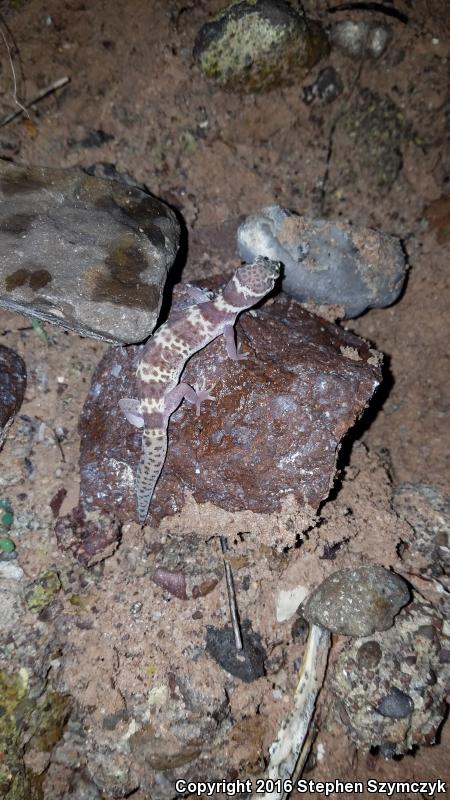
89, 254
327, 262
357, 602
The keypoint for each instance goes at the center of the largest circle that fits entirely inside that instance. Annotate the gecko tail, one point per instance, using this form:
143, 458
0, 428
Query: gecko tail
154, 449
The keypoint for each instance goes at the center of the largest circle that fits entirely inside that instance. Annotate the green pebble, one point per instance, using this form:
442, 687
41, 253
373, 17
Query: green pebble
7, 519
5, 504
7, 545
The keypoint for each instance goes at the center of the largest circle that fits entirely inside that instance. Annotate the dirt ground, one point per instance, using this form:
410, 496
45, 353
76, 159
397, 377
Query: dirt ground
214, 156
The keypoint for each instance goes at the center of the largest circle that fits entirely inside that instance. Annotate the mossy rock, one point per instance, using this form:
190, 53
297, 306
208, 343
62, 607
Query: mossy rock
259, 45
42, 591
44, 717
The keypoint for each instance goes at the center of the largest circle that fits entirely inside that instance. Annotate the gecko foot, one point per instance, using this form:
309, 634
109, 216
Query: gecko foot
202, 392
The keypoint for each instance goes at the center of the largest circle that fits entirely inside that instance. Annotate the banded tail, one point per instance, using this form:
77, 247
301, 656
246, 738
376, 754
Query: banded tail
153, 455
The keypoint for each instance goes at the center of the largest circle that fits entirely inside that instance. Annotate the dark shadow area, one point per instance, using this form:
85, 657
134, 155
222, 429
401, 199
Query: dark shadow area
360, 427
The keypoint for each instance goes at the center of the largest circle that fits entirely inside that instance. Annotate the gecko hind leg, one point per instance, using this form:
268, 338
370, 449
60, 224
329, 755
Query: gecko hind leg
183, 391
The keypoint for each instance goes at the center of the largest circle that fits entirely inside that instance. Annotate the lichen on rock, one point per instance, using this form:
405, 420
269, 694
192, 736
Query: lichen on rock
258, 45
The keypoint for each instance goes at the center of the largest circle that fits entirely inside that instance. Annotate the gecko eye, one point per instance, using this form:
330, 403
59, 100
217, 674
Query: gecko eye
259, 277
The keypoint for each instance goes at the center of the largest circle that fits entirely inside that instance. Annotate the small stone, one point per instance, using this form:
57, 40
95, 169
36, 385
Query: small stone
7, 545
299, 630
13, 379
10, 570
396, 704
6, 520
357, 602
369, 655
96, 138
326, 88
42, 591
246, 664
259, 45
288, 601
360, 38
93, 258
325, 261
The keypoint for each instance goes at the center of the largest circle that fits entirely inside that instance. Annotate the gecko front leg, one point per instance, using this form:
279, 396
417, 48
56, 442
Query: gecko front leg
230, 343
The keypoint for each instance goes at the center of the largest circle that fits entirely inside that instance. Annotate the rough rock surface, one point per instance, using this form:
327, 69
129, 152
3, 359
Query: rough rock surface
426, 551
259, 45
273, 432
427, 511
357, 602
369, 135
391, 687
325, 261
86, 253
13, 379
90, 536
186, 567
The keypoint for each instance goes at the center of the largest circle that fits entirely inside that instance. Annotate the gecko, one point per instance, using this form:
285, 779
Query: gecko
164, 357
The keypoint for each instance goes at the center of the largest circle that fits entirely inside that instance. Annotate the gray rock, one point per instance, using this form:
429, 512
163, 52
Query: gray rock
427, 511
91, 255
13, 379
396, 704
357, 602
325, 261
258, 45
360, 38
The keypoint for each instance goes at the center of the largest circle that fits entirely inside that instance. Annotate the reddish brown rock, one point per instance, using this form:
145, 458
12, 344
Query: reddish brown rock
91, 536
273, 431
13, 381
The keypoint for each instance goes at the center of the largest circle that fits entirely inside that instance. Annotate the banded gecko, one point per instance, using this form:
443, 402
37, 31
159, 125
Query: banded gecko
164, 357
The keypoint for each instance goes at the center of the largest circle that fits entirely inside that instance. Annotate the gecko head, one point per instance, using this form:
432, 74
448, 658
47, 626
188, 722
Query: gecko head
257, 279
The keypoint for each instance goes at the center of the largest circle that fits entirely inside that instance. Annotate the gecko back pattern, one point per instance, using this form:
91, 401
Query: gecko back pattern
164, 357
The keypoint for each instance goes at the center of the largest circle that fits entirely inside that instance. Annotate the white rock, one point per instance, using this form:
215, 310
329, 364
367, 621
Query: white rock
288, 601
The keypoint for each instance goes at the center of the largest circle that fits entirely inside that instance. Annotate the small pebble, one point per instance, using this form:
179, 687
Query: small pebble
396, 704
361, 38
7, 545
326, 88
369, 655
9, 569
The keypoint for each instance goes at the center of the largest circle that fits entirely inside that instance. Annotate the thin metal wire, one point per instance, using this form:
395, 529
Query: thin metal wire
234, 614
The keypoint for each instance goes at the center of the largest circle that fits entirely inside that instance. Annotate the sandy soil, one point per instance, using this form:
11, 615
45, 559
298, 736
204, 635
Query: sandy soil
214, 156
